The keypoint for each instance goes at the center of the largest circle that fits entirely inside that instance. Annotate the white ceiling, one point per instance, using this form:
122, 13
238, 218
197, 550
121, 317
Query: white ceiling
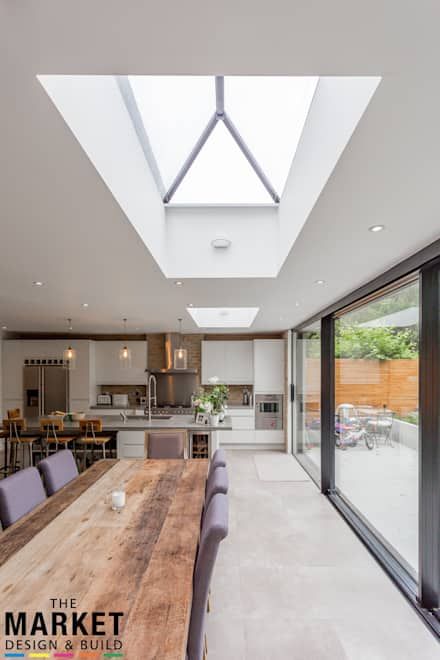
61, 224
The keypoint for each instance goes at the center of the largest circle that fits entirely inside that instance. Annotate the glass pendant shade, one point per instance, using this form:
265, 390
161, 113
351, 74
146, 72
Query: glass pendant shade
180, 354
180, 358
125, 357
69, 358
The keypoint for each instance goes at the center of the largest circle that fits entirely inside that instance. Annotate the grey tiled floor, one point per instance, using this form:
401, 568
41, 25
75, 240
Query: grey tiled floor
293, 582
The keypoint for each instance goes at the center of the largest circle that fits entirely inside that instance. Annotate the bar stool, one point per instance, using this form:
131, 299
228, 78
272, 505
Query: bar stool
89, 428
51, 427
15, 428
14, 413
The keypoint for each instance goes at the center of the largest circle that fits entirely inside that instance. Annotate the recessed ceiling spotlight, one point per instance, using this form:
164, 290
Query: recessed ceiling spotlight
37, 283
297, 304
319, 281
376, 228
4, 327
84, 305
221, 243
190, 305
178, 283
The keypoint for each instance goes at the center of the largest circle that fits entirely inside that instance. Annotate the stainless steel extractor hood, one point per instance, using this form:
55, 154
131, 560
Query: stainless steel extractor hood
172, 342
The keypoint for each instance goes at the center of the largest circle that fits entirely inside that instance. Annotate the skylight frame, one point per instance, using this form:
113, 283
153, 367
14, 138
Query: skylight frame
168, 190
212, 318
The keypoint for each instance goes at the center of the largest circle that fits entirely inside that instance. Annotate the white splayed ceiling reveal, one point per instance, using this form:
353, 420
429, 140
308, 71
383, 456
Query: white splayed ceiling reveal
192, 158
223, 317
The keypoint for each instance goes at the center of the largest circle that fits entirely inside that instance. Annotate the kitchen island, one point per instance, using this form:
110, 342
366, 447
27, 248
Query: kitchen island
130, 433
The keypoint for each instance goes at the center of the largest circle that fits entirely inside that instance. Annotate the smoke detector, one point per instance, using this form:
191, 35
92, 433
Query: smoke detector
221, 243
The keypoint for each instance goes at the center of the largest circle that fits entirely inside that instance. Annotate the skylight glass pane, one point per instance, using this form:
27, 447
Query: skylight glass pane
223, 317
175, 110
221, 175
269, 113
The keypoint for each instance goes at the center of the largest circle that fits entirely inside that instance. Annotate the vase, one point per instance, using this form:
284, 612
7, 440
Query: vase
214, 418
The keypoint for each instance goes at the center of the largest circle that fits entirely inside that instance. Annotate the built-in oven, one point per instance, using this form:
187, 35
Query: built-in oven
269, 411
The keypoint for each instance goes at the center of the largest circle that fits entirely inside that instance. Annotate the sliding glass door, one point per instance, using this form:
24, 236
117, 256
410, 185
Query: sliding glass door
376, 368
307, 444
367, 419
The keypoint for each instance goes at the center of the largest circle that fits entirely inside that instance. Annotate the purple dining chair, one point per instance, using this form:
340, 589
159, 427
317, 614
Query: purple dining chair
58, 470
218, 482
214, 530
166, 445
19, 494
218, 460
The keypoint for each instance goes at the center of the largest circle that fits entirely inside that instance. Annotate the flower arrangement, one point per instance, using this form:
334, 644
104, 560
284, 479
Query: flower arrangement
212, 402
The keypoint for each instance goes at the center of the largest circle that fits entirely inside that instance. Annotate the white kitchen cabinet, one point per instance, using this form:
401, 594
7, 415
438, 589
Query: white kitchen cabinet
12, 373
131, 444
243, 427
230, 361
82, 384
263, 437
268, 366
108, 368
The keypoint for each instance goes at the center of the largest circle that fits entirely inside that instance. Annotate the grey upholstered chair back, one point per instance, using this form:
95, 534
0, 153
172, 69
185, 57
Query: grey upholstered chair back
214, 530
58, 470
166, 445
218, 482
19, 494
218, 460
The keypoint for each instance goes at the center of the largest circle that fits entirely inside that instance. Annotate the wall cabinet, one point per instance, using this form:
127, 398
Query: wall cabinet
230, 361
108, 368
269, 366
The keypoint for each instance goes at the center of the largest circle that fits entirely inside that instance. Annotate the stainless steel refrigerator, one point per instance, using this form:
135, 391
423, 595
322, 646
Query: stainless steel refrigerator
45, 389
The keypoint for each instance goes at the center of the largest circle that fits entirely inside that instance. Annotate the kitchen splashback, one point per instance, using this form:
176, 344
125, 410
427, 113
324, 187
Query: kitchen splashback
134, 392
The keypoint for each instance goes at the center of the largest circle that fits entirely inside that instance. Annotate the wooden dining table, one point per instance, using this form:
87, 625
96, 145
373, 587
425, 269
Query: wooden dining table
74, 554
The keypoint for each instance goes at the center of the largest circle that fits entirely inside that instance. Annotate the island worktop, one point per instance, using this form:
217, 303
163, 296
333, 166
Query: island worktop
128, 438
112, 424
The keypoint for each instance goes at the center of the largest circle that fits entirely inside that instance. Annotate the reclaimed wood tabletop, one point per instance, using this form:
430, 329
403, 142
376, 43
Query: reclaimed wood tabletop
138, 562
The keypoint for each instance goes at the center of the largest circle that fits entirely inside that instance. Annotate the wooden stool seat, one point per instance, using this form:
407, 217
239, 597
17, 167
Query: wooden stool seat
25, 440
97, 440
64, 439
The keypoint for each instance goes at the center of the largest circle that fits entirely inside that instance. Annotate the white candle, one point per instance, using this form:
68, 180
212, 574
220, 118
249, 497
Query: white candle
118, 500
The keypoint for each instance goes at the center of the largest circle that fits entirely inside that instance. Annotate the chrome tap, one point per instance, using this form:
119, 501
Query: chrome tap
152, 395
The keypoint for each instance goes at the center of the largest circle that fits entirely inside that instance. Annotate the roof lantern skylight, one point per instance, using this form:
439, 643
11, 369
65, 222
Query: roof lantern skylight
211, 140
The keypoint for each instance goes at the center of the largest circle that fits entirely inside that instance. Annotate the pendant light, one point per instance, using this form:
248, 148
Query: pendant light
125, 352
69, 353
180, 354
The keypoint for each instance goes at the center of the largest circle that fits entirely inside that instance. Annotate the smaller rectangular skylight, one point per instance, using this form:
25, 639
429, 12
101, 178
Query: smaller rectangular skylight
223, 317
